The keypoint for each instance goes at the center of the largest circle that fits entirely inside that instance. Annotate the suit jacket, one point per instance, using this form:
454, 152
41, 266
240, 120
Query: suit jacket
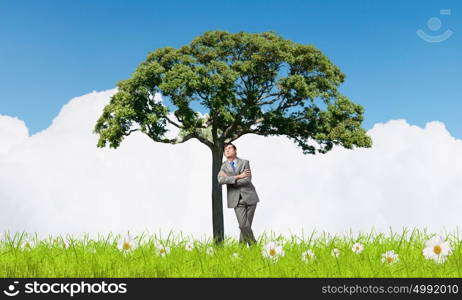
242, 186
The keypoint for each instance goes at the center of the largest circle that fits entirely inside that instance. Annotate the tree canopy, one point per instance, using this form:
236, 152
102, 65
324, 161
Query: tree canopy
247, 83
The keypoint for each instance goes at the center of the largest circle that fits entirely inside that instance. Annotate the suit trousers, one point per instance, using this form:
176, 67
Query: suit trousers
244, 213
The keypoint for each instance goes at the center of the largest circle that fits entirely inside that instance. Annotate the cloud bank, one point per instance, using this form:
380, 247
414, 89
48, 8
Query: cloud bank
58, 182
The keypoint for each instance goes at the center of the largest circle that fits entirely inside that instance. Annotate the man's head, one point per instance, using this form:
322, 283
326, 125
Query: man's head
230, 151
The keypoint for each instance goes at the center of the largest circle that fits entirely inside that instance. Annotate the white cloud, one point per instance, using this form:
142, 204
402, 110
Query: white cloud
12, 132
57, 181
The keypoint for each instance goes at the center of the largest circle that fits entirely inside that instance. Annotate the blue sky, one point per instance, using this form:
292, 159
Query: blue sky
52, 51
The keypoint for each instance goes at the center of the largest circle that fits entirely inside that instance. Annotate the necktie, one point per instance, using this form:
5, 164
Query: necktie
234, 168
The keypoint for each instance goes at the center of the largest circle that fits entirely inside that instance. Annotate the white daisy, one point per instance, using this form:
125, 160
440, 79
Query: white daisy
357, 248
126, 244
210, 251
335, 252
27, 244
390, 257
189, 246
308, 255
235, 255
65, 244
437, 249
155, 244
273, 251
163, 250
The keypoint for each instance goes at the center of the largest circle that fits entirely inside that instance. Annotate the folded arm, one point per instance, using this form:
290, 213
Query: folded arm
237, 180
225, 179
247, 179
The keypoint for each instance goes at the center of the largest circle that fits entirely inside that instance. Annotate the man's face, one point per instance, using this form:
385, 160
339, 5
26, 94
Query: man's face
229, 151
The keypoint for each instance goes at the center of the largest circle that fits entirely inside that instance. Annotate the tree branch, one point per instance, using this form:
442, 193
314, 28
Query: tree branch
203, 140
245, 129
173, 123
130, 131
270, 101
230, 128
186, 138
284, 104
238, 135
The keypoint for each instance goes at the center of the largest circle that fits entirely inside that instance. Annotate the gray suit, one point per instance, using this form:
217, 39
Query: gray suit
242, 196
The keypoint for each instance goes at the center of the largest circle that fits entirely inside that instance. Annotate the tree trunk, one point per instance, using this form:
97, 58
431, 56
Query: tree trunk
217, 197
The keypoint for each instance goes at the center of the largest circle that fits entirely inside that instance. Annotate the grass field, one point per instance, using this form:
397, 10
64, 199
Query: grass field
416, 253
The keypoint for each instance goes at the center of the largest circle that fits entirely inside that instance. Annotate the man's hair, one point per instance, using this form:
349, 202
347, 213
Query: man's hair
227, 144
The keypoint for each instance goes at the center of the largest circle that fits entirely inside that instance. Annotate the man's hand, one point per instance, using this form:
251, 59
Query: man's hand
244, 174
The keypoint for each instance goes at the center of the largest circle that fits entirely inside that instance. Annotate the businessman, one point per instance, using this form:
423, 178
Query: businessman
242, 196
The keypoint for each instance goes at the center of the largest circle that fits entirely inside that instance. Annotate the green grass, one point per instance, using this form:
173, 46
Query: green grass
102, 258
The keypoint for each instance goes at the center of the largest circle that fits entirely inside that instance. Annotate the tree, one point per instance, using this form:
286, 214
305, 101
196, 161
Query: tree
248, 84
